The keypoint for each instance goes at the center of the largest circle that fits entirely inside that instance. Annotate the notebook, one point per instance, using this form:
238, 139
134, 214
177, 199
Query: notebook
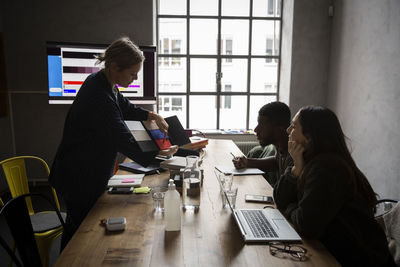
137, 168
262, 225
234, 171
126, 180
174, 163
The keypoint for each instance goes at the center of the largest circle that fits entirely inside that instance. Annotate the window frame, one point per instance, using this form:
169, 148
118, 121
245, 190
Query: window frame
277, 16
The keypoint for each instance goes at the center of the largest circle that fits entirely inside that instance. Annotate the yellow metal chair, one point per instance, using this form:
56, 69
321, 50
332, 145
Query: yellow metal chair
46, 224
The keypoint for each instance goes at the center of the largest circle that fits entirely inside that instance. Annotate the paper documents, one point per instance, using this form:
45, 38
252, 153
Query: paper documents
234, 171
126, 180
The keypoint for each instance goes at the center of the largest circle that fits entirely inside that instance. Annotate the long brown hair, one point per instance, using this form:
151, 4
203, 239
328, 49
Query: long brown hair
322, 126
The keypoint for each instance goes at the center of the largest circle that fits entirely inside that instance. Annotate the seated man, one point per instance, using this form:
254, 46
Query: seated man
273, 120
264, 152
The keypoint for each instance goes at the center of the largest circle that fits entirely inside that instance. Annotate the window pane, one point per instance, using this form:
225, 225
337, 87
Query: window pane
172, 74
203, 36
172, 36
235, 74
203, 75
172, 7
262, 73
260, 8
238, 32
233, 112
204, 7
173, 105
203, 112
256, 103
267, 8
263, 30
235, 8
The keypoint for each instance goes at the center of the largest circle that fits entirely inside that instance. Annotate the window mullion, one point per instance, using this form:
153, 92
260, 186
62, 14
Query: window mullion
218, 74
187, 64
249, 65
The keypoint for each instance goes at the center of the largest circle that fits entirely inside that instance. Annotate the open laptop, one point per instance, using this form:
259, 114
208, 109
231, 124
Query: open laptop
262, 225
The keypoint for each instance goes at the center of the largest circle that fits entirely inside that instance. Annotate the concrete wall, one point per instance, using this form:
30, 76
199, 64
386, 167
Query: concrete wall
306, 43
27, 25
364, 86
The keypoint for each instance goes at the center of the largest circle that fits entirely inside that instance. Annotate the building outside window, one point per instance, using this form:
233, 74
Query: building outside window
218, 60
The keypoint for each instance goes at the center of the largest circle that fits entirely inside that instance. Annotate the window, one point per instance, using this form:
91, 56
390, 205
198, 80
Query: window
170, 46
218, 61
226, 48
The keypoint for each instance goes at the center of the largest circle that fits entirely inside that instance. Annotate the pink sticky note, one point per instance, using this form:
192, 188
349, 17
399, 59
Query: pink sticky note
128, 180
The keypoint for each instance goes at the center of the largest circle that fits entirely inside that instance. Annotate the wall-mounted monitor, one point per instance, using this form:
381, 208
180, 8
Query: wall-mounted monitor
69, 64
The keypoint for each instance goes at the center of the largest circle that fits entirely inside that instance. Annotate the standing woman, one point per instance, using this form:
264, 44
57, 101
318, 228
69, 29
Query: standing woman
95, 131
326, 196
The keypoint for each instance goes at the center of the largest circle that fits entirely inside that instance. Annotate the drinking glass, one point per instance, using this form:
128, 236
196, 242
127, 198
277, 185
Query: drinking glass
158, 194
231, 194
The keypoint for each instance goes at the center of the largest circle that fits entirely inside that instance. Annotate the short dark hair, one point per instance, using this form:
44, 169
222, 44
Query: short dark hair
277, 112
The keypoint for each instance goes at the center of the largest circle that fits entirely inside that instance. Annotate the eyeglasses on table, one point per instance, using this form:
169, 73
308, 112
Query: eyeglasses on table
279, 250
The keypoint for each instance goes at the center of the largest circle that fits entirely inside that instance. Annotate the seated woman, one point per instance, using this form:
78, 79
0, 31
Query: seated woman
326, 196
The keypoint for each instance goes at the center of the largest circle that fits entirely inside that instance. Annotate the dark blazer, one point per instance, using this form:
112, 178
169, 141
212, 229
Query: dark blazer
94, 132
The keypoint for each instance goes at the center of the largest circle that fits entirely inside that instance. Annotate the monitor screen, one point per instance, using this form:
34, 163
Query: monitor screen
69, 64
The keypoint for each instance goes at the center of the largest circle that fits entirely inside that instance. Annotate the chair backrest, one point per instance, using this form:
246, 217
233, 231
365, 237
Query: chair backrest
391, 221
17, 180
17, 217
14, 258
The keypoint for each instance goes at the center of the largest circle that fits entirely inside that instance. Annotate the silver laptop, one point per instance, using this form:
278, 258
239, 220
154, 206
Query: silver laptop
262, 225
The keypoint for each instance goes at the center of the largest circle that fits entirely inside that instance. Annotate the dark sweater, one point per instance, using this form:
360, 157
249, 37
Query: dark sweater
323, 206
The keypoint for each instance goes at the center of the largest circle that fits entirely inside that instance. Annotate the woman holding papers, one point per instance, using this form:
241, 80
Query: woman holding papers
95, 131
326, 196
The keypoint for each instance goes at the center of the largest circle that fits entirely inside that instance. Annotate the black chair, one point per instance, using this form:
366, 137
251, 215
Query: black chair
384, 205
16, 214
3, 243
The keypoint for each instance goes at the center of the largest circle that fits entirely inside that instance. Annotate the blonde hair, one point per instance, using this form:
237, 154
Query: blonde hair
123, 52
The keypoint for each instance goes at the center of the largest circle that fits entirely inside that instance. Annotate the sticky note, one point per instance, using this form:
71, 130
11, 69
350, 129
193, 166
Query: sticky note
142, 190
128, 180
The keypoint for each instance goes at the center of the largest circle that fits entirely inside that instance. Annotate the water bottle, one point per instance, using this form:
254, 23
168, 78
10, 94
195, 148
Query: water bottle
172, 208
191, 184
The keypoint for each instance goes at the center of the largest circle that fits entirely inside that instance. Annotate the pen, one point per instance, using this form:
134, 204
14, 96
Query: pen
233, 155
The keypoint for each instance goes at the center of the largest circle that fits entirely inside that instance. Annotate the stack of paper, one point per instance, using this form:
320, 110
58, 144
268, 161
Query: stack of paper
196, 143
126, 180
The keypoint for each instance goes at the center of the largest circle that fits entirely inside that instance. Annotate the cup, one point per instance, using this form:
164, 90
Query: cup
231, 194
158, 194
226, 180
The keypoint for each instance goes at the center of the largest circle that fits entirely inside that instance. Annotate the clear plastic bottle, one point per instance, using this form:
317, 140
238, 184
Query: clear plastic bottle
172, 208
191, 184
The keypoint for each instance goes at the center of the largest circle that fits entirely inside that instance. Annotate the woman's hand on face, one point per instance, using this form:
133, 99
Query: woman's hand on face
240, 162
296, 152
169, 151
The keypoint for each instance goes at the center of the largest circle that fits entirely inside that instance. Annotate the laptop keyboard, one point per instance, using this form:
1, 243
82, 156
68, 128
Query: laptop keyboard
259, 225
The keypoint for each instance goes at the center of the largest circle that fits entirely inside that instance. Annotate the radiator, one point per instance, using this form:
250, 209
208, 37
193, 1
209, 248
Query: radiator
246, 146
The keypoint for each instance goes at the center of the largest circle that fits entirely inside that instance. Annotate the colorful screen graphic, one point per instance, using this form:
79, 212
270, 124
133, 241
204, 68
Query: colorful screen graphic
70, 64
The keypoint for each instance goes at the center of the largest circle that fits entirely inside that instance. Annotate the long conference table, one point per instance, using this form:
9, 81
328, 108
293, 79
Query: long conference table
209, 237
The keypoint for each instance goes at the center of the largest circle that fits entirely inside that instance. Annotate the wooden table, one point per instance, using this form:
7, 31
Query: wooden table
207, 238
